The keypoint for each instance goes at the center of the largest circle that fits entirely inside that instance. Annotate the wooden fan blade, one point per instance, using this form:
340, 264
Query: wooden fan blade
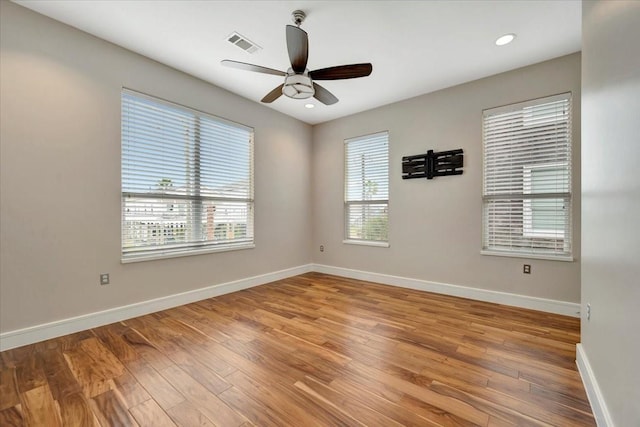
273, 95
298, 48
251, 67
340, 72
323, 95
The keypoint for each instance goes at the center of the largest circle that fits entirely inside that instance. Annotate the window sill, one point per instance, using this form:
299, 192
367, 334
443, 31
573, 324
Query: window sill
563, 258
366, 243
168, 254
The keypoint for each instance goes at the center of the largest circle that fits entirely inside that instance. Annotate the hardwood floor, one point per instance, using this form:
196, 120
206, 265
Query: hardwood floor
312, 350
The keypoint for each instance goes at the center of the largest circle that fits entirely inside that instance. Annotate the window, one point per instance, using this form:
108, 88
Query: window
527, 179
367, 189
187, 181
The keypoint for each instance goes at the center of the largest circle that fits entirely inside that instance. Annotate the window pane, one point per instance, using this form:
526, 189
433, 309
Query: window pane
367, 168
368, 222
547, 179
526, 226
149, 223
544, 216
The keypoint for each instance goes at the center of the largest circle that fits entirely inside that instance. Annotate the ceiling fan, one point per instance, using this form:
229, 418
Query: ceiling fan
298, 80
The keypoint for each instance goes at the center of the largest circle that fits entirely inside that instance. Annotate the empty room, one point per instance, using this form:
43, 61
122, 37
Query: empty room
319, 213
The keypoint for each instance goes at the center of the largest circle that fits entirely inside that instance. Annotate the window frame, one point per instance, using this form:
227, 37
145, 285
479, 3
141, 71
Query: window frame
192, 247
363, 202
528, 196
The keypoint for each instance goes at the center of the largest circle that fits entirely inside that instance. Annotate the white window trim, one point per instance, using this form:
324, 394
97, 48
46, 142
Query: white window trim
133, 257
347, 203
528, 255
376, 243
532, 254
208, 250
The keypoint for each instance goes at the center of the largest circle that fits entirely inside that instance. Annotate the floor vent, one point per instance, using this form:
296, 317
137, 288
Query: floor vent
243, 43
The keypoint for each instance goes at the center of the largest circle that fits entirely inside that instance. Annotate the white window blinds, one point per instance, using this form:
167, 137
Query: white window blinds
187, 180
367, 187
527, 178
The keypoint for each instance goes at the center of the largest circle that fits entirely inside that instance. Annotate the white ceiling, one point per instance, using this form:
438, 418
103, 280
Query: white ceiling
415, 47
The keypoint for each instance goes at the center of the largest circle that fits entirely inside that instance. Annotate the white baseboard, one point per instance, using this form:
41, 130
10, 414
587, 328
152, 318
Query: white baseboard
534, 303
598, 405
62, 327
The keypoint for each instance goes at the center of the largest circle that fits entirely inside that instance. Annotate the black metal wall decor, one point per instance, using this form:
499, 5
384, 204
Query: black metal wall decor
433, 164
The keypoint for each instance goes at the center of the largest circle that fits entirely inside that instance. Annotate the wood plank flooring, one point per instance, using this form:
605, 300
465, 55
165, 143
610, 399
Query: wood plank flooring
312, 350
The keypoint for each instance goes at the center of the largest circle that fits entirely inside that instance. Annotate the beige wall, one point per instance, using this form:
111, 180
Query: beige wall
611, 202
435, 226
60, 176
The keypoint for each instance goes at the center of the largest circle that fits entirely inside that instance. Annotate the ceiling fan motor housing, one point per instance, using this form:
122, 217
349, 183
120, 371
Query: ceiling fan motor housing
298, 86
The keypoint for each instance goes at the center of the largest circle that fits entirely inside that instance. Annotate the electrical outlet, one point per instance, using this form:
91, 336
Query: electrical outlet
104, 278
588, 311
321, 248
526, 269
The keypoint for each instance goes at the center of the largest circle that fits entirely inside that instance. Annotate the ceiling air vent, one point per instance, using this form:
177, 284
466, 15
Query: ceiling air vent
243, 43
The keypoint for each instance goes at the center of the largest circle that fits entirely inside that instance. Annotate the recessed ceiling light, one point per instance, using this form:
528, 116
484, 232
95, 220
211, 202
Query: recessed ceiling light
309, 105
506, 39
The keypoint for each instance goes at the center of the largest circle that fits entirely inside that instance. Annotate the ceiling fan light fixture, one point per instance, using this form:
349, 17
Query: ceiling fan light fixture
298, 86
505, 39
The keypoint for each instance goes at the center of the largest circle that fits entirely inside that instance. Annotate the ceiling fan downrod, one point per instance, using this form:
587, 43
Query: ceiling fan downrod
298, 17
